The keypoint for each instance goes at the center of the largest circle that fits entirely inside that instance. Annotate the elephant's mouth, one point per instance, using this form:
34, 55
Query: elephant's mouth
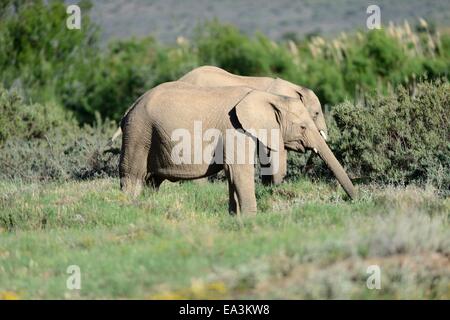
295, 146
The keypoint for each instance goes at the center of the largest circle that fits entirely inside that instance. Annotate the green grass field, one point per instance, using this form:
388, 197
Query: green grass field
305, 242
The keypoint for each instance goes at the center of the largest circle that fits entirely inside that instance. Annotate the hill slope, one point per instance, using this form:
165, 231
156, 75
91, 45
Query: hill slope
167, 19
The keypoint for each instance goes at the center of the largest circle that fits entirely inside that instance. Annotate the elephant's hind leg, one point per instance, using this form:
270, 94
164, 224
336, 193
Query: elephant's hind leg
133, 166
233, 207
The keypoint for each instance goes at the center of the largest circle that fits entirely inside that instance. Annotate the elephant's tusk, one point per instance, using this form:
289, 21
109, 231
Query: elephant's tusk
323, 134
315, 150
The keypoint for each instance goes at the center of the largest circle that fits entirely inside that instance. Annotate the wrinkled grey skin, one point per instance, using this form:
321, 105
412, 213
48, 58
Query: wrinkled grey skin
147, 145
210, 76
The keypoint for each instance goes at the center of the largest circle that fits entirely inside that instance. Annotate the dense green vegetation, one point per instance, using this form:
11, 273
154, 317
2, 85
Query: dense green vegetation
386, 94
397, 138
43, 142
390, 139
48, 62
63, 78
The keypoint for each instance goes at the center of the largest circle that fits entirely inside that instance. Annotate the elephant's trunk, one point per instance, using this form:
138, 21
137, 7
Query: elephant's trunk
327, 155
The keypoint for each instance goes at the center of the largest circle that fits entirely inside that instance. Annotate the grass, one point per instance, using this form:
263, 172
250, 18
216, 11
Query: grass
306, 242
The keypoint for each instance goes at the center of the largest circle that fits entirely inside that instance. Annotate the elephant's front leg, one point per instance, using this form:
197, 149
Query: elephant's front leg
241, 186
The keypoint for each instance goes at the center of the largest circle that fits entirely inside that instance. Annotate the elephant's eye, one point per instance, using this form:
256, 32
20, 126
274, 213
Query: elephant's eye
302, 128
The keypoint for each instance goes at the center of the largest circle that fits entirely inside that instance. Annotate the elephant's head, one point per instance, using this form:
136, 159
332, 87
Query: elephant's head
307, 97
261, 110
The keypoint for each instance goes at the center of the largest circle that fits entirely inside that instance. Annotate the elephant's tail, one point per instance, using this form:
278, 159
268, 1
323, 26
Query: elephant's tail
115, 136
118, 132
108, 146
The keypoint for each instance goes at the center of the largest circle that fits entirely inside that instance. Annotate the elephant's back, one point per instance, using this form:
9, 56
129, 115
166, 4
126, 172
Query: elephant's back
210, 76
181, 102
179, 110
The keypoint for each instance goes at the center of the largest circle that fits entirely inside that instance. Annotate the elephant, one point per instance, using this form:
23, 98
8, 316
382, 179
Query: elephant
210, 76
147, 152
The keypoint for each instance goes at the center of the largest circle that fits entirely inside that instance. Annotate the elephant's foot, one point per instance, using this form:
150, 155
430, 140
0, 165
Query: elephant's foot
131, 186
235, 210
269, 180
247, 211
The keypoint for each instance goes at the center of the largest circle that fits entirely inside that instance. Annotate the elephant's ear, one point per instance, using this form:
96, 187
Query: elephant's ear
260, 118
301, 96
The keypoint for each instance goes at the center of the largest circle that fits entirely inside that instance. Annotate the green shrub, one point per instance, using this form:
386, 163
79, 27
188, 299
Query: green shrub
225, 46
29, 121
49, 63
399, 138
74, 155
43, 142
119, 76
37, 51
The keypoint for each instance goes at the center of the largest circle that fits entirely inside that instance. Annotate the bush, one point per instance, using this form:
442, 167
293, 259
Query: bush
48, 62
59, 157
42, 142
226, 47
119, 76
400, 138
394, 139
29, 121
37, 52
